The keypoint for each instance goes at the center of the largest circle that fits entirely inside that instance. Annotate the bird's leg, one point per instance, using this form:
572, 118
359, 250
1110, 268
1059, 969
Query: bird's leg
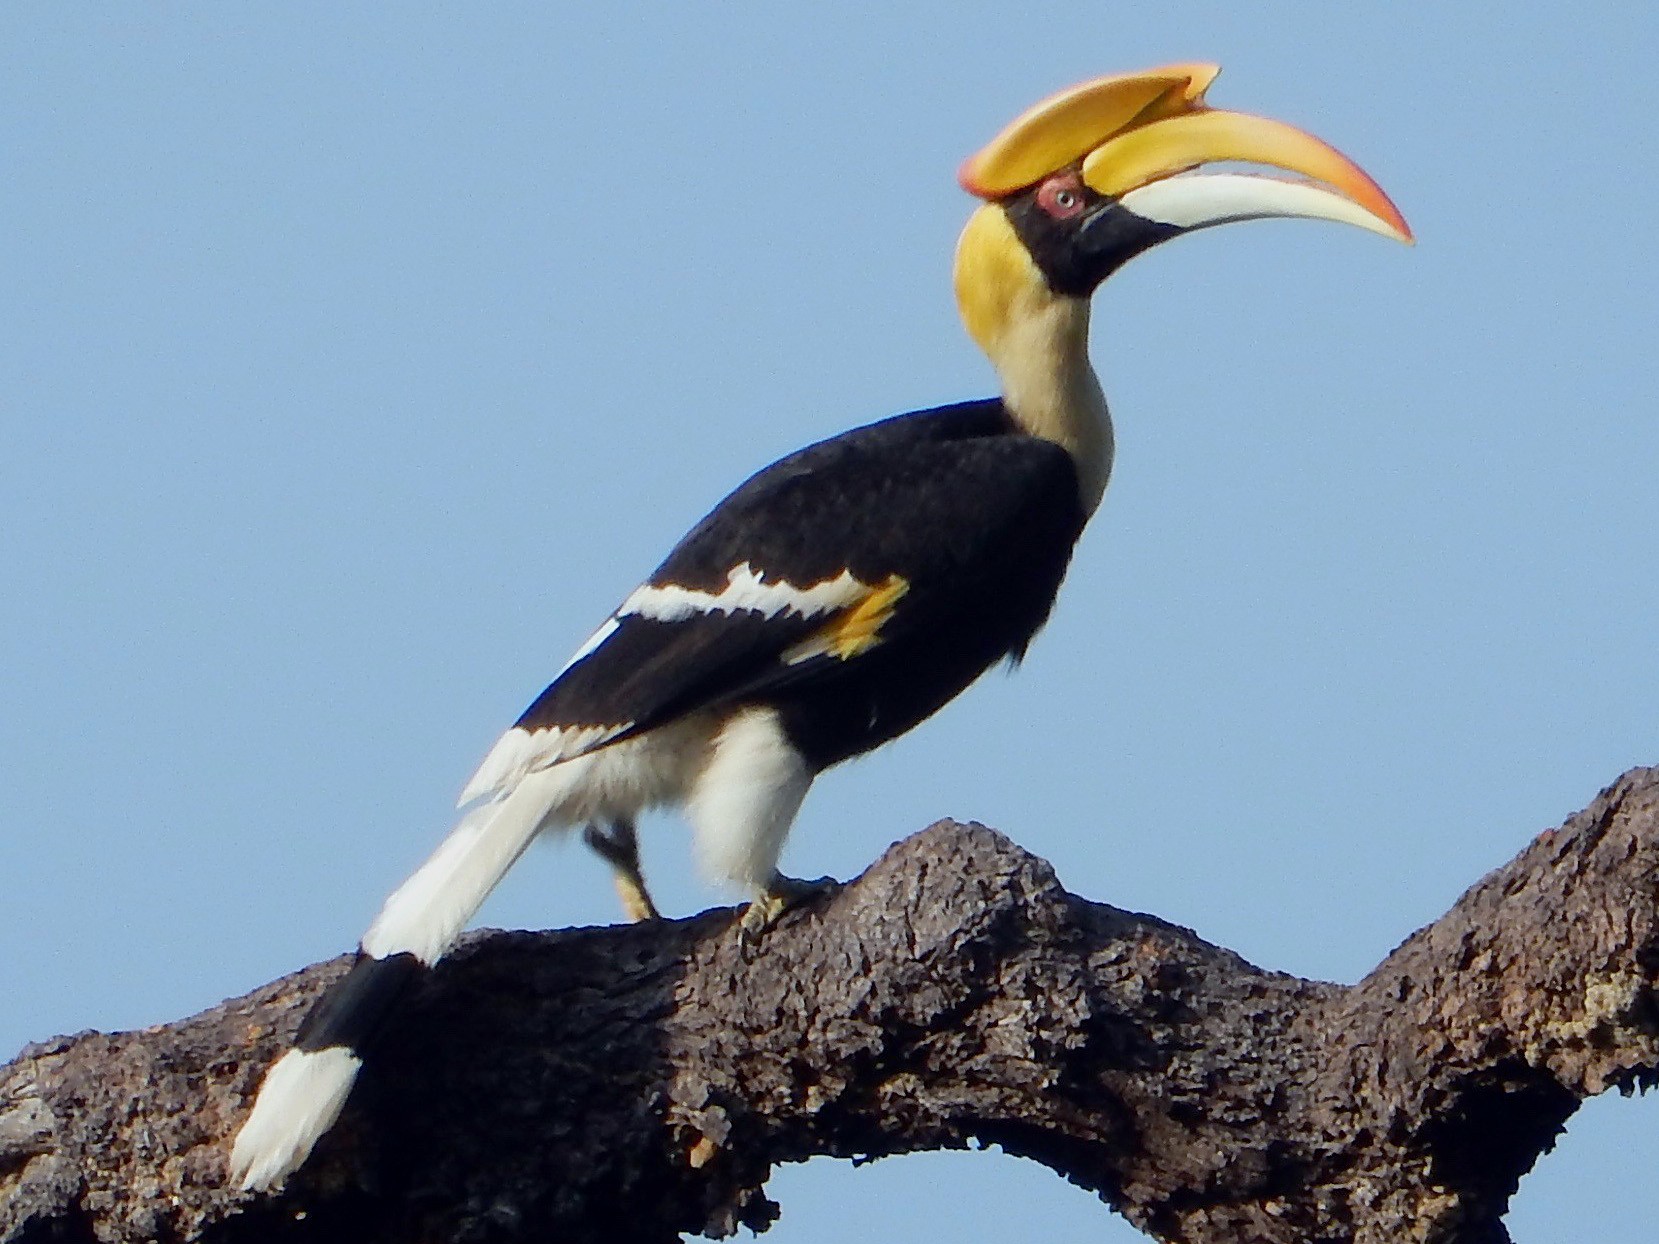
779, 895
618, 845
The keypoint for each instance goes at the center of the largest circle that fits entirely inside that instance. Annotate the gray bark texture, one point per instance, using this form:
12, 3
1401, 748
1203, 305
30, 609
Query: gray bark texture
638, 1083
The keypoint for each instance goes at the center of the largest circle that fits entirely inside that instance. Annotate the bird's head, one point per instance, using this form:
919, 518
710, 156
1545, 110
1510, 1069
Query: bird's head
1084, 181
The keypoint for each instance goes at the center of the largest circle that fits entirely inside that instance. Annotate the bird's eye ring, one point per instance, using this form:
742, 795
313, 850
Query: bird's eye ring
1061, 198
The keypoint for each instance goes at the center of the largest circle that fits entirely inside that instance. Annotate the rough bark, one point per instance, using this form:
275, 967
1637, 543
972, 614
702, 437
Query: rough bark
634, 1083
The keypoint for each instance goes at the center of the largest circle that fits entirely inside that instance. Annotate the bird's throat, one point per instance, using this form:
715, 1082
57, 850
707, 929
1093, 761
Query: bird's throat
1039, 343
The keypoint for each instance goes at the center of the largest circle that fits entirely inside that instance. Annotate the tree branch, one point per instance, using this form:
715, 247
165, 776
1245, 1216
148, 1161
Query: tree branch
634, 1083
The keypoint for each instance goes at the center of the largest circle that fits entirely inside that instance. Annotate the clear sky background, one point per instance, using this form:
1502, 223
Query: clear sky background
356, 360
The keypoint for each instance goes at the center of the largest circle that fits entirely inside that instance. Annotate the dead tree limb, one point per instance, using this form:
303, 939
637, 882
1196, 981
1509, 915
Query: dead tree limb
634, 1083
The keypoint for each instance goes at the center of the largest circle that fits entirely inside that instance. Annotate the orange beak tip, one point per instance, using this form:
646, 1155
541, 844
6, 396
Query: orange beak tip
1406, 235
1386, 210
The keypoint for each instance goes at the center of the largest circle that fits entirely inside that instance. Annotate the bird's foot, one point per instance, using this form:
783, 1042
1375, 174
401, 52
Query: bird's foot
618, 846
636, 899
780, 895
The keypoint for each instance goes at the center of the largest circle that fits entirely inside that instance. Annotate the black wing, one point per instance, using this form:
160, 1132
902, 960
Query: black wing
939, 531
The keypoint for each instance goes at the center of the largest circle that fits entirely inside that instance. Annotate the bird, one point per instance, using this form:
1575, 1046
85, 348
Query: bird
845, 593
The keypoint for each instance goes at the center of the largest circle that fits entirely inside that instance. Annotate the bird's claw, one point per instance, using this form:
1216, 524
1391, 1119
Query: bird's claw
782, 895
618, 846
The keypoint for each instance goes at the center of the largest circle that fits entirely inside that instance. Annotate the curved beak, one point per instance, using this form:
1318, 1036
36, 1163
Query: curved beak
1137, 138
1139, 169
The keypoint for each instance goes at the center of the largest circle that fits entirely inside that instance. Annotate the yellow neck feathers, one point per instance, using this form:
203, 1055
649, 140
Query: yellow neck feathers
1039, 343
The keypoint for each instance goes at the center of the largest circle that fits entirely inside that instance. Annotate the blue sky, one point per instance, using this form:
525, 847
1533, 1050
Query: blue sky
356, 361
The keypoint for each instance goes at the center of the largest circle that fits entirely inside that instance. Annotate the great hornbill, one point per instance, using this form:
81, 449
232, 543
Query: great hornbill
845, 593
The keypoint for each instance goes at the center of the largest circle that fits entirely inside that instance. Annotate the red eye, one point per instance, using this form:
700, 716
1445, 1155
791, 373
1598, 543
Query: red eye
1061, 197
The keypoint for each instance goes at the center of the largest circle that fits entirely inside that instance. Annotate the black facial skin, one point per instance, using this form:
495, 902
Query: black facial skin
1076, 252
